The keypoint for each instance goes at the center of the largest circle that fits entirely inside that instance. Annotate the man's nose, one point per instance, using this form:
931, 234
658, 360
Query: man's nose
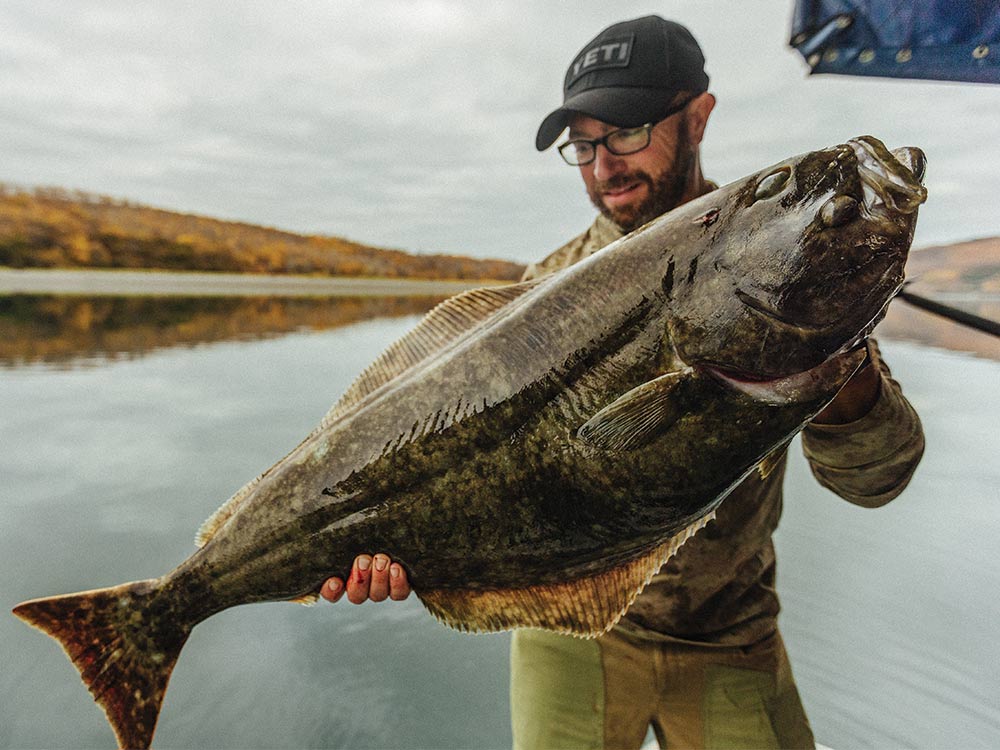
606, 164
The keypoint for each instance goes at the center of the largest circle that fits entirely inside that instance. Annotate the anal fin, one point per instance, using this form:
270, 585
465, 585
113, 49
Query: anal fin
585, 607
771, 461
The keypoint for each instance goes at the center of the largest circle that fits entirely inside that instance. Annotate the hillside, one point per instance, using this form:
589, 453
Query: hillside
51, 228
965, 275
57, 228
965, 267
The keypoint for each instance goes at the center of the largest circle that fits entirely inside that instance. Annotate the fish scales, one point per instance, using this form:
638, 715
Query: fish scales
533, 454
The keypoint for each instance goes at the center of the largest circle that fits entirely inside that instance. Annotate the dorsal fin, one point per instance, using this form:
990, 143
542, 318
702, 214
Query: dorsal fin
442, 325
586, 607
215, 521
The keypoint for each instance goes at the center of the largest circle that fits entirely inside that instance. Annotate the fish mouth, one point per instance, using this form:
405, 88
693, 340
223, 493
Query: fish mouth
891, 180
824, 379
771, 314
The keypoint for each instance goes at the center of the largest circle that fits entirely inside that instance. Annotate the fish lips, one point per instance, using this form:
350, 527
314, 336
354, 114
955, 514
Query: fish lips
891, 180
816, 383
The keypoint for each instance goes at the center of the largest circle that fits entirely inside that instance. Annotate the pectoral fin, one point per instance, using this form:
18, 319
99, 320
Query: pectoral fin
638, 416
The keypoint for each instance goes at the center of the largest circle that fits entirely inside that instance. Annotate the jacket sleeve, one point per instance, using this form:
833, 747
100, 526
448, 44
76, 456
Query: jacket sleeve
599, 234
558, 259
868, 462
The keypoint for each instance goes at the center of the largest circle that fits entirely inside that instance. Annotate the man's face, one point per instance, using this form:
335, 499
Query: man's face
631, 190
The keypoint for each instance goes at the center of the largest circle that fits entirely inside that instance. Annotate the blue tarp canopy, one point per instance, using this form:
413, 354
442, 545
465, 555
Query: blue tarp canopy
945, 40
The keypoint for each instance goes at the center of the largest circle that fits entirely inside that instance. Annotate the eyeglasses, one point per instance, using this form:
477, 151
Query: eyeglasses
622, 142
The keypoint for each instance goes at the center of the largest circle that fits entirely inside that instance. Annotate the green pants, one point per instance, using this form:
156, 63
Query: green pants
605, 693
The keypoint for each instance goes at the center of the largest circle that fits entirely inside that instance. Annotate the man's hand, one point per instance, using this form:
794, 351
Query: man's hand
855, 399
376, 578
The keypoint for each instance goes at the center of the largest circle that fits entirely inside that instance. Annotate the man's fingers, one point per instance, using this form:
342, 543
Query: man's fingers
359, 582
332, 590
399, 586
379, 590
375, 578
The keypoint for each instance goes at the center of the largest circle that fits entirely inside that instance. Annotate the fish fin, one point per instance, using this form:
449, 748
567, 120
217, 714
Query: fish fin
124, 653
771, 461
444, 324
307, 599
218, 519
585, 607
637, 416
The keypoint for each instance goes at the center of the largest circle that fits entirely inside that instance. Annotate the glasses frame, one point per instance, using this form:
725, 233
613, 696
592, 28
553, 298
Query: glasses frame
603, 140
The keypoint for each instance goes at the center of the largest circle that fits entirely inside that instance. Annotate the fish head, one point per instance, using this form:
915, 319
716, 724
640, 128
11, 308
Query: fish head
801, 260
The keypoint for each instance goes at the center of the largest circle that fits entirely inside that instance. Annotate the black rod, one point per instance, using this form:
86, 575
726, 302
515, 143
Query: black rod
959, 316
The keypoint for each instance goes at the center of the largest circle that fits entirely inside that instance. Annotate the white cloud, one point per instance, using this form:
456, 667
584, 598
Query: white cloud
411, 124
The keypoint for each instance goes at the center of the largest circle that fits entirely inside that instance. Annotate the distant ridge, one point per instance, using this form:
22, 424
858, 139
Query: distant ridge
51, 227
970, 266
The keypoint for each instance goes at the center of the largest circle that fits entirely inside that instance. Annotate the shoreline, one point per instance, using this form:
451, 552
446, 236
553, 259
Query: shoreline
153, 283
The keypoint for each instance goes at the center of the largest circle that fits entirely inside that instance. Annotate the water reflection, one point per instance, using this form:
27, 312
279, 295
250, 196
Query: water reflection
75, 331
70, 331
108, 471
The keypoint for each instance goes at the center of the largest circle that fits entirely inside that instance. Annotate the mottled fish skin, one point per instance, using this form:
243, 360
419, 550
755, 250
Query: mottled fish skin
554, 441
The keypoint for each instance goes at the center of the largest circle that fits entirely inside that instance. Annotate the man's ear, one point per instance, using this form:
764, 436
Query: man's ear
697, 116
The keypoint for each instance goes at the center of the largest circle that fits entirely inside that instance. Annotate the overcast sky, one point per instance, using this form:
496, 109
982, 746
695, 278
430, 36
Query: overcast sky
411, 123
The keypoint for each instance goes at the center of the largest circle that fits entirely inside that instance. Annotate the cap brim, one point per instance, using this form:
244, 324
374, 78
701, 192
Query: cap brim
619, 106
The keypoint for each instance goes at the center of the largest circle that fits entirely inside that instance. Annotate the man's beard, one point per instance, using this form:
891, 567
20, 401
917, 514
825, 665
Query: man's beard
662, 194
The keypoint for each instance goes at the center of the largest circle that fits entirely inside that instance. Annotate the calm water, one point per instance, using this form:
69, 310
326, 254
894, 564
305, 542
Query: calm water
110, 461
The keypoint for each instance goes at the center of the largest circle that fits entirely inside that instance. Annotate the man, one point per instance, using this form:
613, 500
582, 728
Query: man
698, 655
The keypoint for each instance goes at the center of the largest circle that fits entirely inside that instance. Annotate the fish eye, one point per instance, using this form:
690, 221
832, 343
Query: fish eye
839, 210
773, 184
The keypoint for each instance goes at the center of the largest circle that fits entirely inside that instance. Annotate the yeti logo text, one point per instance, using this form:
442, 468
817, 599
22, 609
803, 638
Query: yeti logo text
610, 53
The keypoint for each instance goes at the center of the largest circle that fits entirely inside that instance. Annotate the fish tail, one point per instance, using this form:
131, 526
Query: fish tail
125, 644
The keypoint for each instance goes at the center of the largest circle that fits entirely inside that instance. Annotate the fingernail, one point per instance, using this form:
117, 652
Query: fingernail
364, 563
380, 562
334, 587
394, 570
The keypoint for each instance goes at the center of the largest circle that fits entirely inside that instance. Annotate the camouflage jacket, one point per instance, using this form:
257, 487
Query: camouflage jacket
720, 587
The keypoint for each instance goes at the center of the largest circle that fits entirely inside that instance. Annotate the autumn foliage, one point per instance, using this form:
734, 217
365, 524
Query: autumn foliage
58, 228
71, 330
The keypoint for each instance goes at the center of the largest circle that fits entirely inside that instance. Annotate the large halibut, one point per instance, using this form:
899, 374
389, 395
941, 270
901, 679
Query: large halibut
533, 453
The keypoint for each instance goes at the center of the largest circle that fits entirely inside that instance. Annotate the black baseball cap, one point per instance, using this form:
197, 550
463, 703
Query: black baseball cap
628, 75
